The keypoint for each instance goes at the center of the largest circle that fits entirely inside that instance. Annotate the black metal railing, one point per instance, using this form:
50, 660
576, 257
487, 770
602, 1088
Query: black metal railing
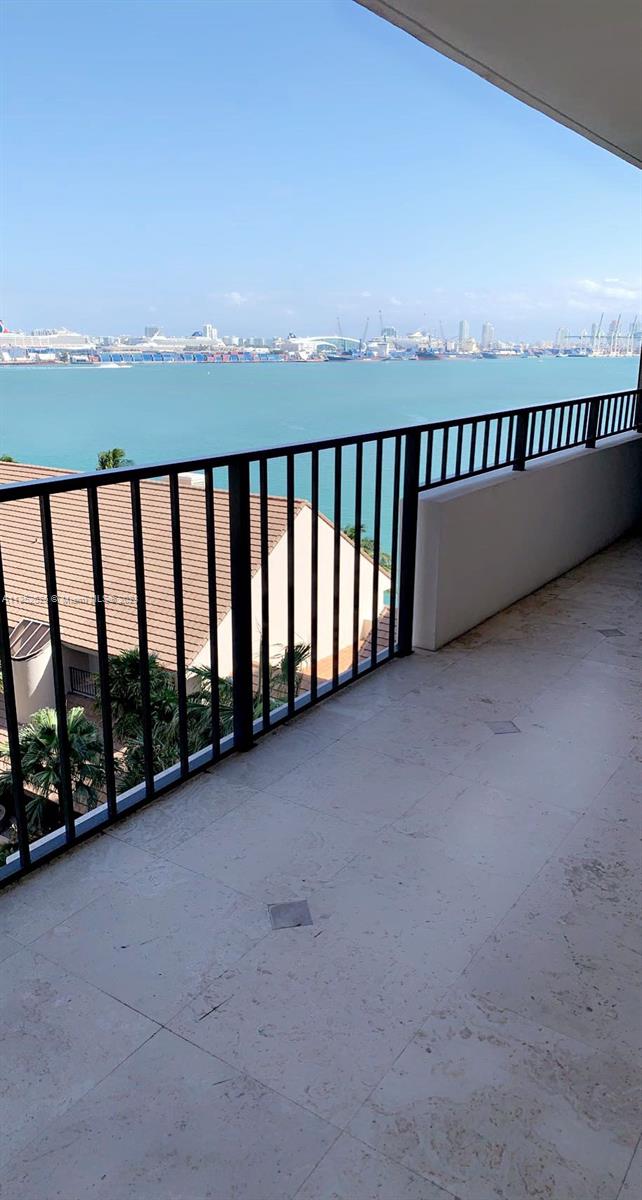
82, 683
277, 577
469, 446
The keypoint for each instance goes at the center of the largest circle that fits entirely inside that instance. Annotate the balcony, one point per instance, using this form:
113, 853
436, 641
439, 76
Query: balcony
459, 1017
204, 609
391, 950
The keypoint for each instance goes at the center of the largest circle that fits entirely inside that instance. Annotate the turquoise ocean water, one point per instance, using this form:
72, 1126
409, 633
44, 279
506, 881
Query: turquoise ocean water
62, 416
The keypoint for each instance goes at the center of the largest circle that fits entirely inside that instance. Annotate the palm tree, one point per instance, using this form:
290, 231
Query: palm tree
40, 757
130, 767
367, 545
126, 694
199, 708
279, 672
108, 459
127, 712
199, 712
127, 715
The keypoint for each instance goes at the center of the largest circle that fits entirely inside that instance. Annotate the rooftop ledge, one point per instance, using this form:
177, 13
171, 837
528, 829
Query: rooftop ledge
463, 828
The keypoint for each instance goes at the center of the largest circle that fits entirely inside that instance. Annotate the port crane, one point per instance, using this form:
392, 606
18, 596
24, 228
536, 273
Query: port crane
630, 345
615, 336
598, 335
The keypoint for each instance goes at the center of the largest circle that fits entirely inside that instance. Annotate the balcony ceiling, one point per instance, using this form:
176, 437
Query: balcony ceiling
578, 62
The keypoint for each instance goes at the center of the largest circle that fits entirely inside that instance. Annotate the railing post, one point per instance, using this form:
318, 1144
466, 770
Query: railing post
409, 511
638, 410
13, 733
593, 423
521, 440
65, 793
241, 581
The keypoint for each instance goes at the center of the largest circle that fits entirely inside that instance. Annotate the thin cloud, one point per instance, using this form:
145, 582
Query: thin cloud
235, 299
608, 289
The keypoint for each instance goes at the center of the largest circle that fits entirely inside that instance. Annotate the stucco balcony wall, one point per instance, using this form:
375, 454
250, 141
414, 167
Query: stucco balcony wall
484, 543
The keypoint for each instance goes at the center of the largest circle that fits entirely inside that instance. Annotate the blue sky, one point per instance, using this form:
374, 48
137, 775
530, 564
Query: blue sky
272, 165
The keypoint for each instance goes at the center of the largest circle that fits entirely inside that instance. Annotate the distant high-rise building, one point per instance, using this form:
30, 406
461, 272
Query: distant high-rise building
561, 338
487, 335
210, 332
389, 331
464, 333
152, 331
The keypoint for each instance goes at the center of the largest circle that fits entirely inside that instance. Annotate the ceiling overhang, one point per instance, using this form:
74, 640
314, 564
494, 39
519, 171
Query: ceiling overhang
578, 61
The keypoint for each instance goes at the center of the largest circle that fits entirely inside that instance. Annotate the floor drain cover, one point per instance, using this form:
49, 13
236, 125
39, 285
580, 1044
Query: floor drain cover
503, 727
290, 915
611, 632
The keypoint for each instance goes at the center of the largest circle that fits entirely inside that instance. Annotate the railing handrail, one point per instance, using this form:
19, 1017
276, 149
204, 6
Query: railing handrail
56, 484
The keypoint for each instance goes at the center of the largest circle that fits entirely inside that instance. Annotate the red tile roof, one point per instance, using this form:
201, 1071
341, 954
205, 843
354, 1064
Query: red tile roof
21, 539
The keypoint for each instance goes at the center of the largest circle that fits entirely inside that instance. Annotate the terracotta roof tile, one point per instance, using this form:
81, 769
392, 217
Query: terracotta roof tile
21, 539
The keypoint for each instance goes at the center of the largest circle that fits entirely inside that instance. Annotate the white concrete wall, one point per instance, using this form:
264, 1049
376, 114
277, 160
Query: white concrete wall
278, 582
484, 543
34, 684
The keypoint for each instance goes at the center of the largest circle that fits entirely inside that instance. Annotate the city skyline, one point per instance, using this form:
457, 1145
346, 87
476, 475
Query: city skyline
222, 176
483, 336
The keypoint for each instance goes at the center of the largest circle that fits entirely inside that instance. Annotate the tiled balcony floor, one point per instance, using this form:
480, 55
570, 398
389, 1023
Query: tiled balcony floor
461, 1019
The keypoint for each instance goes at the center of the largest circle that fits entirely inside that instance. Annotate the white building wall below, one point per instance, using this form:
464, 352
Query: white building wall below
278, 592
34, 683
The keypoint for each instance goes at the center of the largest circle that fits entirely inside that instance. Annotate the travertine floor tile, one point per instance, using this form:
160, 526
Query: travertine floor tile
61, 1036
29, 908
493, 1107
352, 1171
272, 849
317, 1017
172, 1123
158, 939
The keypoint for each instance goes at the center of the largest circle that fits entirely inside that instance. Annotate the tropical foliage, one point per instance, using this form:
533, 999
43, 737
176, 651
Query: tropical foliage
108, 459
126, 697
200, 699
126, 693
40, 759
40, 744
368, 546
6, 849
127, 710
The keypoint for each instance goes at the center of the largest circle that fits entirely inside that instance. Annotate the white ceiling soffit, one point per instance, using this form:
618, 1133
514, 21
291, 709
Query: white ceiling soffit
578, 61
